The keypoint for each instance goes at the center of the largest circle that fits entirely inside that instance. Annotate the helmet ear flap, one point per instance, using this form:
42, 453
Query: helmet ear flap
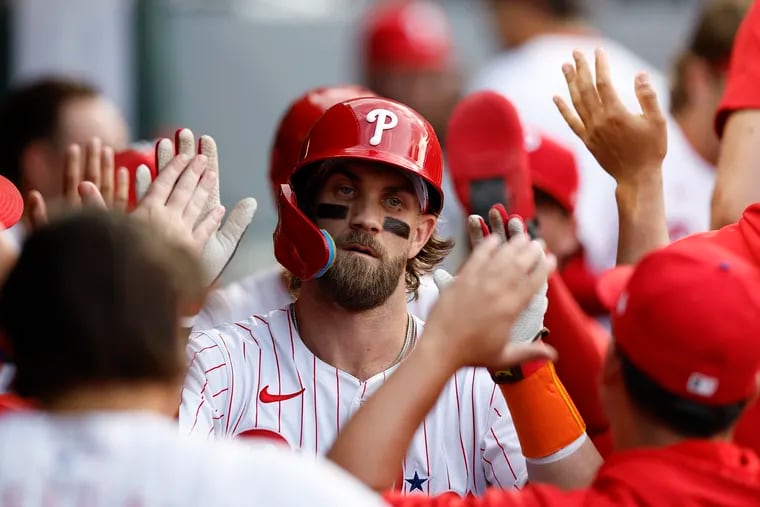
299, 245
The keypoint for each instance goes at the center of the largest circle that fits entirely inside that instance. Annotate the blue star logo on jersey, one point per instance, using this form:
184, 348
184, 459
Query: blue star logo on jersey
416, 482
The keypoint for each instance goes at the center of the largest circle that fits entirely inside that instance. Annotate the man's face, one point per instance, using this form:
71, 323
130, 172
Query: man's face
80, 120
373, 214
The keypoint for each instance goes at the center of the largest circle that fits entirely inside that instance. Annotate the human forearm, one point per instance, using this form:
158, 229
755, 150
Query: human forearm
737, 183
641, 217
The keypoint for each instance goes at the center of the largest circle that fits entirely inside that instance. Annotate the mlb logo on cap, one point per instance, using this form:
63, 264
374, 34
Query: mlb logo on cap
702, 385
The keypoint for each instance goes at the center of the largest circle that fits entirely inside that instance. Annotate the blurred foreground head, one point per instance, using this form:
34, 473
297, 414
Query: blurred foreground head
95, 300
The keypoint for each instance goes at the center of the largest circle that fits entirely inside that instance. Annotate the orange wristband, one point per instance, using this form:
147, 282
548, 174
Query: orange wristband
544, 416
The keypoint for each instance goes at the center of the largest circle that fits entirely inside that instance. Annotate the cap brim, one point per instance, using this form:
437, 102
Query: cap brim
611, 285
11, 203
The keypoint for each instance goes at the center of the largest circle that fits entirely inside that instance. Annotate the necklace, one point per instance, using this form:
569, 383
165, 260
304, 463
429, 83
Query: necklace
410, 340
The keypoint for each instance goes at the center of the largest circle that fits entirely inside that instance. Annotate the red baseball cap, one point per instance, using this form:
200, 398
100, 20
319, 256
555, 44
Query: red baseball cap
688, 318
552, 168
408, 33
11, 203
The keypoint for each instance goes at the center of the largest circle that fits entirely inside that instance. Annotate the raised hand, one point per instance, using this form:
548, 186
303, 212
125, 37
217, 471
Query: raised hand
221, 245
88, 179
530, 325
485, 301
628, 145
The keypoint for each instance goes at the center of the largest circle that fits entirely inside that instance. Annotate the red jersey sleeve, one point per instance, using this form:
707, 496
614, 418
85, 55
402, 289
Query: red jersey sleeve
531, 496
743, 85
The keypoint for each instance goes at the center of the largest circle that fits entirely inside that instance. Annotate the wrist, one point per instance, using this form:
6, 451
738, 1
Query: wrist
647, 180
435, 349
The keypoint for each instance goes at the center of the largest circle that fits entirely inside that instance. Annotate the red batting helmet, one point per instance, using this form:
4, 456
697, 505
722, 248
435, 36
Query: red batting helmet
295, 125
378, 130
408, 33
370, 128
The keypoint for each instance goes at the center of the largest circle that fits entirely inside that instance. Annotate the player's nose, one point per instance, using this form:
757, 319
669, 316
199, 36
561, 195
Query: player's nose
366, 216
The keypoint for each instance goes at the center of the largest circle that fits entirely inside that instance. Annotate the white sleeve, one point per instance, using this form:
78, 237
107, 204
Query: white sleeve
504, 462
203, 399
290, 478
216, 310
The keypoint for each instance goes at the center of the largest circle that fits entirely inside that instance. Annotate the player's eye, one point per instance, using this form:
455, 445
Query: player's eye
345, 191
394, 202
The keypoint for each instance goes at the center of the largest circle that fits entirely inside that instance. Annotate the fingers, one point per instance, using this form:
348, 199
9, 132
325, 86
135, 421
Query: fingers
184, 142
121, 194
571, 77
207, 147
107, 175
161, 189
481, 253
91, 195
239, 219
164, 153
516, 226
607, 93
571, 118
208, 226
37, 209
199, 198
187, 184
93, 154
497, 216
72, 174
142, 181
476, 229
518, 353
647, 97
585, 81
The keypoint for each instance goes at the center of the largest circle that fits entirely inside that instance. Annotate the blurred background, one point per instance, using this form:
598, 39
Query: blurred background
229, 68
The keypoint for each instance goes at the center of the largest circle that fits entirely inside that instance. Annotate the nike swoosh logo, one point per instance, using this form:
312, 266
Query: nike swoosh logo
266, 397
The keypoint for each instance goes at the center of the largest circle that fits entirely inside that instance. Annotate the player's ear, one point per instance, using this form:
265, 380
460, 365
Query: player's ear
421, 233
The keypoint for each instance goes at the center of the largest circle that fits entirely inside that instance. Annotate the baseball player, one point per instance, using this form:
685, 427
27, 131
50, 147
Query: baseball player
684, 364
680, 372
356, 229
526, 74
104, 434
736, 122
267, 289
407, 54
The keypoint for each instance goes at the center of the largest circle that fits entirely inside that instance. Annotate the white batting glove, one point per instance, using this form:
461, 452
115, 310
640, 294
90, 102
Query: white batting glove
530, 323
222, 245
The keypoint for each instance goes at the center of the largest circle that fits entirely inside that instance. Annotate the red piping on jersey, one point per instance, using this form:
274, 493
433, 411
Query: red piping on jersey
461, 439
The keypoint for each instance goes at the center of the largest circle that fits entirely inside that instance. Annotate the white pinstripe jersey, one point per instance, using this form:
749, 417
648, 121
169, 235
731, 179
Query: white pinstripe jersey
258, 376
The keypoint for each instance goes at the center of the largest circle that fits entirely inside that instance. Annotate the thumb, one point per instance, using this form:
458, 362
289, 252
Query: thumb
239, 219
442, 279
515, 354
647, 97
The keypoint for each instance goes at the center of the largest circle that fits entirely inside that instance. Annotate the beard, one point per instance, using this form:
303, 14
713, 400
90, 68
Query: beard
357, 283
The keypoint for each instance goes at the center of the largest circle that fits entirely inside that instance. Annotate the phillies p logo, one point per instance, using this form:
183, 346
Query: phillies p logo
383, 120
